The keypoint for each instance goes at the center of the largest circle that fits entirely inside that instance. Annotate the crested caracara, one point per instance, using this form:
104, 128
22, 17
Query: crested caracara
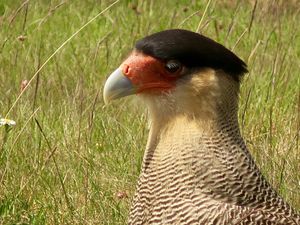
196, 168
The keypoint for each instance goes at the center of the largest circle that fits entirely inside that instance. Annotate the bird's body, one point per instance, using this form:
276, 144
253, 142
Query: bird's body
196, 167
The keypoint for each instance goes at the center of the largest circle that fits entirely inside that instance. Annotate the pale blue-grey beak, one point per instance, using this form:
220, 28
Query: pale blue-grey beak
116, 86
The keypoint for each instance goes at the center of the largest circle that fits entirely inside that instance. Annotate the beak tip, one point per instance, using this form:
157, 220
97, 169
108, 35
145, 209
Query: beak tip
105, 99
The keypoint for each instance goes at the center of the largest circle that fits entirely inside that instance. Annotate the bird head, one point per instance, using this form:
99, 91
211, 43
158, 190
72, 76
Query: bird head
178, 71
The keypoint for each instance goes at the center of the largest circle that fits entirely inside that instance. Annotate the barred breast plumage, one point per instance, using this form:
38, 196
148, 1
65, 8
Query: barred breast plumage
200, 178
196, 167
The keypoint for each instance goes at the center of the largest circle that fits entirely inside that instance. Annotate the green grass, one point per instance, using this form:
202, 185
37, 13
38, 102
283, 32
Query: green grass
70, 160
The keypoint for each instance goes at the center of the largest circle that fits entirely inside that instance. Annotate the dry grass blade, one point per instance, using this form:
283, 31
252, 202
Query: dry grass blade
203, 16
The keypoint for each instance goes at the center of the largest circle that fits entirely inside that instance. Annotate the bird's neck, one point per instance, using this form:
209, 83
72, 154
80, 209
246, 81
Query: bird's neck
199, 137
195, 133
200, 153
201, 123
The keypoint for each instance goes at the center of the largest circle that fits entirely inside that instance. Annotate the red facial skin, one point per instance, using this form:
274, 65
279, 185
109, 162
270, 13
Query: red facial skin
148, 74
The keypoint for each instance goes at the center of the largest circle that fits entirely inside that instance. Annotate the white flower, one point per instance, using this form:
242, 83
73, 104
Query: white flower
4, 121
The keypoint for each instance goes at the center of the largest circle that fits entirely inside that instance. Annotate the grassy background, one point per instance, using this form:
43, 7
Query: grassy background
70, 160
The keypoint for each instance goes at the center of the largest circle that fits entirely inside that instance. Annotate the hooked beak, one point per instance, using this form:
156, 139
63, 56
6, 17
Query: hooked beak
117, 86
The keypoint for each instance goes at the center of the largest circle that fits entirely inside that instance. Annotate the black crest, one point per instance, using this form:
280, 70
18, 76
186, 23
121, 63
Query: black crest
192, 50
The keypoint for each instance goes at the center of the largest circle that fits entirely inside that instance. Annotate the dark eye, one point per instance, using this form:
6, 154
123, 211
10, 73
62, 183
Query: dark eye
173, 66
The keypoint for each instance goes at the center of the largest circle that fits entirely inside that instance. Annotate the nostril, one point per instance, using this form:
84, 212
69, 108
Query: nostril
126, 69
